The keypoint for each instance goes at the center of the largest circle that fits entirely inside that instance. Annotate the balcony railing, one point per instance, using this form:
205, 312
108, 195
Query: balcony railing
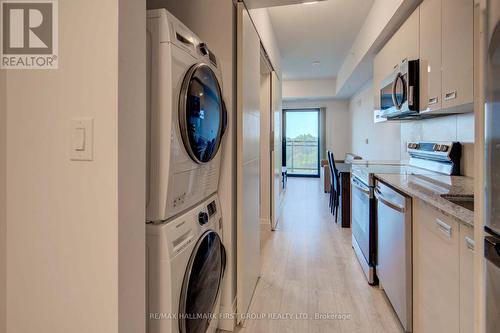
302, 157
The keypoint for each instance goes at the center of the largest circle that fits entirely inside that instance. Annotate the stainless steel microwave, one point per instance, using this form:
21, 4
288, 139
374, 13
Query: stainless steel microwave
400, 91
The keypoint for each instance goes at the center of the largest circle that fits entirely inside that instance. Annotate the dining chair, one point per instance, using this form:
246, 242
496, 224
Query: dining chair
335, 186
337, 189
332, 188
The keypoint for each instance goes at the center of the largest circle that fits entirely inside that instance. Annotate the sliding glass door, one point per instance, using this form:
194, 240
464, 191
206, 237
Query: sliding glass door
301, 133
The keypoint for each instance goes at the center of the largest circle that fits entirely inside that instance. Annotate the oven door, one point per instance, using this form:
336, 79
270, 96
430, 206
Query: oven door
361, 197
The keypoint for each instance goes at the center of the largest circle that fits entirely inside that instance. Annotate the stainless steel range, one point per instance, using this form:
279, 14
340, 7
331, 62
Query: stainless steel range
425, 158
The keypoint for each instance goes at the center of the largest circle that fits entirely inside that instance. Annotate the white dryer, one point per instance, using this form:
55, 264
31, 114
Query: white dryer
186, 261
187, 117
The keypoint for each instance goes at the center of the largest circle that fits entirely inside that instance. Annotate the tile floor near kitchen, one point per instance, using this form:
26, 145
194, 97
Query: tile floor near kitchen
309, 269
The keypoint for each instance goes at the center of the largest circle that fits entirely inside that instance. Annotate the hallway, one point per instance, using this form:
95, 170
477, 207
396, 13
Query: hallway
310, 270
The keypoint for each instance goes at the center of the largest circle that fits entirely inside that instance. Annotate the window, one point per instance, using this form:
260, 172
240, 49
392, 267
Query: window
301, 129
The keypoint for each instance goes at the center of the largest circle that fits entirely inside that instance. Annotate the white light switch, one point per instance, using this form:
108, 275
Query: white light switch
81, 139
78, 139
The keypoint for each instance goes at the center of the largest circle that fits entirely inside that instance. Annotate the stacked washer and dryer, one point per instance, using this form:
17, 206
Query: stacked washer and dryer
186, 122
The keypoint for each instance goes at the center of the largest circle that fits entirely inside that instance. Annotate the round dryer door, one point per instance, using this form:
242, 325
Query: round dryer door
202, 113
201, 284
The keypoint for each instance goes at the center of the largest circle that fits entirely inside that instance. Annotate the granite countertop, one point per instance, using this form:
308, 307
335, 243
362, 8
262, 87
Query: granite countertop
429, 189
343, 167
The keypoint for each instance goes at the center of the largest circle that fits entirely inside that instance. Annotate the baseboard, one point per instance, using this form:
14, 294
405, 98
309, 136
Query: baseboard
227, 322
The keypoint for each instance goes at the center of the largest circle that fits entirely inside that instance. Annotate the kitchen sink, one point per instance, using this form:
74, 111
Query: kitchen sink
466, 201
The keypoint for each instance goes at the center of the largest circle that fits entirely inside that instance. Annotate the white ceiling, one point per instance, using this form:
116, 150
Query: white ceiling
252, 4
324, 32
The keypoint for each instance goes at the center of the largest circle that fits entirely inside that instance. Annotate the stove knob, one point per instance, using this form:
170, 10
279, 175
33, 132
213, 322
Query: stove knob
444, 148
436, 147
202, 218
410, 145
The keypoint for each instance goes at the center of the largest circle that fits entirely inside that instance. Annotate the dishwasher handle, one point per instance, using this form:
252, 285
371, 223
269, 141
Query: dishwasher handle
361, 187
380, 197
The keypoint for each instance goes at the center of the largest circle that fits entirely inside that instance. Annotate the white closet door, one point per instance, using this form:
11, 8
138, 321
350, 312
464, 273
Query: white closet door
248, 160
276, 160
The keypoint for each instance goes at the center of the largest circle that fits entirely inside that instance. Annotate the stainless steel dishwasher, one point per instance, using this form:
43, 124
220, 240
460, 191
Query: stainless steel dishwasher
394, 250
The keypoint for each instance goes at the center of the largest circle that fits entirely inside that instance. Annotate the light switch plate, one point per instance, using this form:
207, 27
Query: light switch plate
81, 139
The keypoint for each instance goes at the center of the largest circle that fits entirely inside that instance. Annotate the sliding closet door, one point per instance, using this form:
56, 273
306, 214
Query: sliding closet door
248, 160
276, 165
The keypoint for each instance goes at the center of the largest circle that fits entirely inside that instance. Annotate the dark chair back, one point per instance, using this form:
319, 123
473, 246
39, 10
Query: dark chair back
330, 166
334, 173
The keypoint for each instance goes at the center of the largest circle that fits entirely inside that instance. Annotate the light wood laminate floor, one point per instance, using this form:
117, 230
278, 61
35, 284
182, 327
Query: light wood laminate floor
309, 268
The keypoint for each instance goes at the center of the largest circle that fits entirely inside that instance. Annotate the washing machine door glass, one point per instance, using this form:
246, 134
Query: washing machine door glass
201, 113
201, 284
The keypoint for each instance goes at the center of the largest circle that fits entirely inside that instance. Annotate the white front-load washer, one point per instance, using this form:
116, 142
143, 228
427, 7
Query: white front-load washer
187, 117
186, 261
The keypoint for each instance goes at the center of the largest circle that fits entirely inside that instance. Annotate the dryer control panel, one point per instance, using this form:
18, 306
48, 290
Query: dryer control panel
203, 218
212, 208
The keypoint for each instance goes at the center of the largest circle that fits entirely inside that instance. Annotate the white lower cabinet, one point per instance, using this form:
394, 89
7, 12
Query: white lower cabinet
466, 279
443, 272
436, 269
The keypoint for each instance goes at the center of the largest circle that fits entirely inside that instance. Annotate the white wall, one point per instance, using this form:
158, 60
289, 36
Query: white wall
312, 89
62, 245
131, 166
338, 129
383, 138
3, 198
382, 21
387, 141
378, 17
265, 155
450, 128
75, 247
265, 29
214, 21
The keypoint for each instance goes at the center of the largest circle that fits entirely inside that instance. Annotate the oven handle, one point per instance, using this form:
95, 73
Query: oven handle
380, 197
356, 184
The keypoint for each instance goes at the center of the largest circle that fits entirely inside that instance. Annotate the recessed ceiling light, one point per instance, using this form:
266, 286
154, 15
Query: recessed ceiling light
316, 62
310, 2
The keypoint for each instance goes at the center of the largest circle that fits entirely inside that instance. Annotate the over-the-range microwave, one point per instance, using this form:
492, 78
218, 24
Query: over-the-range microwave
404, 94
400, 92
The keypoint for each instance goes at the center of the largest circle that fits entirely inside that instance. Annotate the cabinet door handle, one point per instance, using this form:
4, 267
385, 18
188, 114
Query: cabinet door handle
470, 243
445, 228
450, 95
433, 100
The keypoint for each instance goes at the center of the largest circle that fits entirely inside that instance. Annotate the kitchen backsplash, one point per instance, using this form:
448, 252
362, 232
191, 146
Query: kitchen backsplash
450, 128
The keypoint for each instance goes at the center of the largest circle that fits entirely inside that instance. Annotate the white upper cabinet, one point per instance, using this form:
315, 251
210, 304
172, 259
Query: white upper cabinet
430, 51
441, 34
458, 53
